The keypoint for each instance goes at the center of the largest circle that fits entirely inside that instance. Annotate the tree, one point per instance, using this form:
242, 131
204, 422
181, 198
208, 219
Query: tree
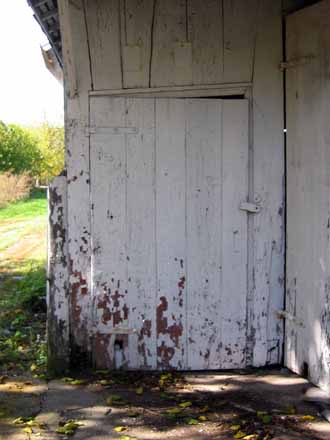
50, 141
19, 150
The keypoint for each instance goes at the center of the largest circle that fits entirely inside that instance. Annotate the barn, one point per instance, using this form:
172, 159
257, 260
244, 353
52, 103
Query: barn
191, 227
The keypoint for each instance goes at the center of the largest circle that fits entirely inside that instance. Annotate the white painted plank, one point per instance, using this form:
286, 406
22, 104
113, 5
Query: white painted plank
103, 22
141, 246
204, 189
77, 162
235, 137
205, 27
266, 285
109, 257
171, 54
240, 28
171, 233
136, 42
308, 183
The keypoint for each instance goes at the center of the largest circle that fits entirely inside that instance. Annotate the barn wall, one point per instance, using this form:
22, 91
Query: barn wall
112, 46
308, 257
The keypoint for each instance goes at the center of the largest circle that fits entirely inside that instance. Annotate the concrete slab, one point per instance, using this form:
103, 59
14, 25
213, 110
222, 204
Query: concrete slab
269, 404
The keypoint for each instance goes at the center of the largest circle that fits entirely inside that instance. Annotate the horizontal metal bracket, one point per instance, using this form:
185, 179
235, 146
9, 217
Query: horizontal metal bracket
122, 331
296, 62
253, 208
110, 130
284, 314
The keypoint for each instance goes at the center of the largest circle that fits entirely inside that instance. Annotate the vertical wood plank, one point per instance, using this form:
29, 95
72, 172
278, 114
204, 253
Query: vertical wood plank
136, 41
204, 189
141, 246
77, 162
235, 137
58, 303
171, 53
308, 182
266, 286
103, 23
171, 233
240, 29
205, 19
109, 253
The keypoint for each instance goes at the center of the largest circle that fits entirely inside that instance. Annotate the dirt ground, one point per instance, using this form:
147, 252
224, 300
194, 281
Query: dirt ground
106, 405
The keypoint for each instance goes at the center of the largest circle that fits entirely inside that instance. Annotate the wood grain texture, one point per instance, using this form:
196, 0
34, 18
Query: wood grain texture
266, 294
154, 43
136, 29
171, 233
103, 24
239, 34
58, 302
168, 237
308, 183
206, 19
77, 162
235, 138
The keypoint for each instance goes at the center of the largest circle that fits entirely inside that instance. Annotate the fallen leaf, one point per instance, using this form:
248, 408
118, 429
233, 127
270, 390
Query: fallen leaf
102, 372
185, 404
120, 428
28, 430
261, 413
235, 427
204, 409
202, 418
251, 437
78, 382
126, 437
139, 391
192, 422
266, 419
308, 418
240, 434
115, 400
173, 411
105, 382
290, 410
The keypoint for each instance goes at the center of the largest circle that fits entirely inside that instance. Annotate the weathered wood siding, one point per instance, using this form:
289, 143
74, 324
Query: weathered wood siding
169, 240
58, 322
153, 45
308, 176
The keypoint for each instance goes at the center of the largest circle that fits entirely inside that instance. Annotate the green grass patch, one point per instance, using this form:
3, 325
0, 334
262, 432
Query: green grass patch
22, 317
23, 285
34, 206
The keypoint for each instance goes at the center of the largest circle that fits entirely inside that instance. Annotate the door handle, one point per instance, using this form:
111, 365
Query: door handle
252, 208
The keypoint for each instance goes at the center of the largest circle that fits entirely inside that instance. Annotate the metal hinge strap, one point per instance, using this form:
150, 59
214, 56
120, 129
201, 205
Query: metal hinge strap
110, 130
295, 62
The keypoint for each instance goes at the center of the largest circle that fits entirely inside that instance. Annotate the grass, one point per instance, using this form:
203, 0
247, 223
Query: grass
23, 284
30, 208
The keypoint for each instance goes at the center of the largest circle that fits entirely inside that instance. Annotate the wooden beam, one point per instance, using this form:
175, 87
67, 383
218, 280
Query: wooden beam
66, 33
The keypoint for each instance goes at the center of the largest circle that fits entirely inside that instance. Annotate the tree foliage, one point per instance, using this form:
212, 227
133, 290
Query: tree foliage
50, 142
19, 152
38, 151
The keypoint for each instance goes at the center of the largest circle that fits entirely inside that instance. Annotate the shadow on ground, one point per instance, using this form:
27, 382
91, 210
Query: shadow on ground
261, 405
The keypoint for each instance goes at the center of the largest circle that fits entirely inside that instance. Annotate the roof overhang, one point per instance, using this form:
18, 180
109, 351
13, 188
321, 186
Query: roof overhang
46, 14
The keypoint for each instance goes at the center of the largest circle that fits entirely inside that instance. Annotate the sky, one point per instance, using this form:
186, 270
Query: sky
29, 94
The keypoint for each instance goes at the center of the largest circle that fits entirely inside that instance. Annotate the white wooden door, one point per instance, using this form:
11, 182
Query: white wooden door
169, 257
307, 347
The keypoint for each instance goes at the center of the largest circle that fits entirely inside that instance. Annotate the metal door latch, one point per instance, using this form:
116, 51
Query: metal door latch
296, 62
253, 208
284, 314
